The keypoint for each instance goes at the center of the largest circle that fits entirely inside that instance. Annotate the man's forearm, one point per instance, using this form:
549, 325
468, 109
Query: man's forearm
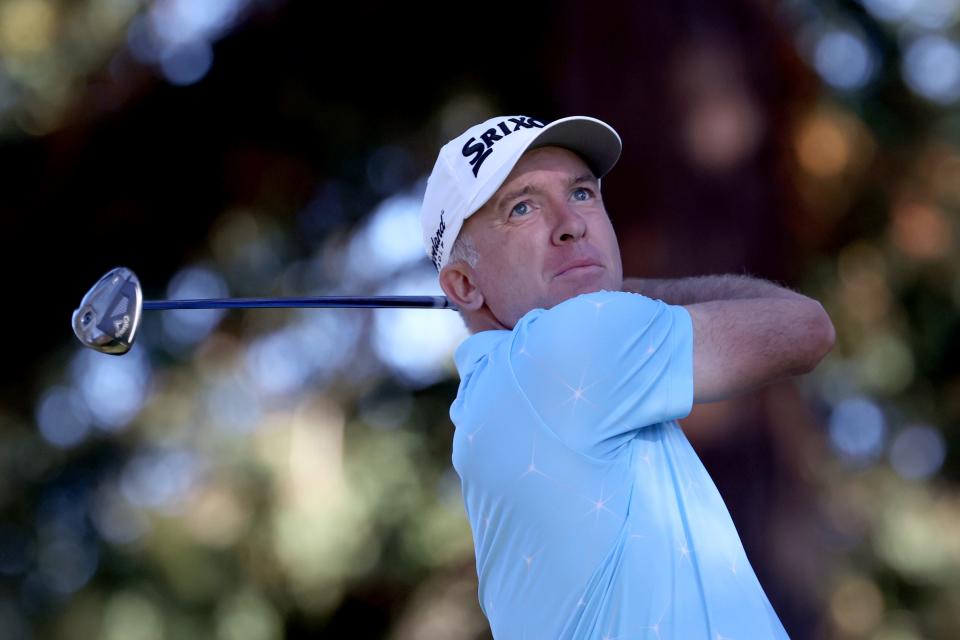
706, 288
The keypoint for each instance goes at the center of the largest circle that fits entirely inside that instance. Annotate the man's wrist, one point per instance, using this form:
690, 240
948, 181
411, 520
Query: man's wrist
681, 291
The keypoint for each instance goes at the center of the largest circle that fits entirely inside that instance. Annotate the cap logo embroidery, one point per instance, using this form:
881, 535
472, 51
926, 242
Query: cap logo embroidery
436, 242
481, 149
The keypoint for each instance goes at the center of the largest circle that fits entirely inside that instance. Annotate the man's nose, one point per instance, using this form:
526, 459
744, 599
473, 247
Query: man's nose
569, 224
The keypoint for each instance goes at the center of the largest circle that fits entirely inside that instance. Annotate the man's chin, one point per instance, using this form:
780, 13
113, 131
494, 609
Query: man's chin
574, 289
585, 282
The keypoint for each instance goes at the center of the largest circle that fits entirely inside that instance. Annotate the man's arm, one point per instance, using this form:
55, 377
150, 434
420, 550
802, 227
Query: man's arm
683, 291
746, 332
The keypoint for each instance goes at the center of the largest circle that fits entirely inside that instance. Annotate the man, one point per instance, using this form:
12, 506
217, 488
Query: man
592, 516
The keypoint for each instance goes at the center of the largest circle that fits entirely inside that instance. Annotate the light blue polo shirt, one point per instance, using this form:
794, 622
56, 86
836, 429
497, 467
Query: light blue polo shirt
592, 516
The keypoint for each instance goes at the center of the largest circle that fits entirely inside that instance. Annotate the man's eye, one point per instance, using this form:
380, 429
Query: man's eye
521, 208
581, 194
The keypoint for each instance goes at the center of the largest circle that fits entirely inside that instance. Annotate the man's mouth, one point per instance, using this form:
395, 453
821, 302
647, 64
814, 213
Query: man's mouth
578, 267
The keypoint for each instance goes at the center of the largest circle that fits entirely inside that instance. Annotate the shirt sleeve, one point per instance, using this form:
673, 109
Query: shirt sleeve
600, 366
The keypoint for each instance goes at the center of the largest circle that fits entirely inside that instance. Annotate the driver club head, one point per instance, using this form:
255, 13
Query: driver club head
109, 315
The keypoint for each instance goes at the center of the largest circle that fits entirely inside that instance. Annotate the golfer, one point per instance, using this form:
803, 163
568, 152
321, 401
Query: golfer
591, 514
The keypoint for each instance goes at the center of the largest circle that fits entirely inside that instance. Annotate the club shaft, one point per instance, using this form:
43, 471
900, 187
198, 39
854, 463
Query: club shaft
347, 302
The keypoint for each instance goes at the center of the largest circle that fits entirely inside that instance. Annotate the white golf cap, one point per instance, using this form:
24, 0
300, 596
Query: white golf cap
472, 166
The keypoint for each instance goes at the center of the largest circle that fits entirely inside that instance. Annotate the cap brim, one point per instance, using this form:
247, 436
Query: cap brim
595, 141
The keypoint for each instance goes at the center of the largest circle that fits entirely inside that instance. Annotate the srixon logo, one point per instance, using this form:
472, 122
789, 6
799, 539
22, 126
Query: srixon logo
480, 150
436, 242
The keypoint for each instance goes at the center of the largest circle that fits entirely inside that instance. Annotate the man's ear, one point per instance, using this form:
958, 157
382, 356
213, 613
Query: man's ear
459, 284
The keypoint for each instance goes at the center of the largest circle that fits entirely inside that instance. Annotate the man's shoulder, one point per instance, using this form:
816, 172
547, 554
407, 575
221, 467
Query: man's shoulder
582, 310
603, 310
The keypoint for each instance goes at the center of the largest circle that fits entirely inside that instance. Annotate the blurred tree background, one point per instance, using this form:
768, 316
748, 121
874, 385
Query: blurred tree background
286, 473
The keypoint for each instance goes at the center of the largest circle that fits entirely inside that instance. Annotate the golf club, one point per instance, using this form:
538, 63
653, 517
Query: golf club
109, 315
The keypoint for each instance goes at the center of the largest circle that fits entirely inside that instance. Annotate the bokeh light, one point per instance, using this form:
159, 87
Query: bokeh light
856, 605
178, 21
186, 62
417, 343
917, 452
921, 231
216, 516
844, 59
185, 327
885, 364
114, 389
66, 564
277, 364
115, 517
932, 14
890, 10
313, 348
921, 14
931, 67
177, 35
233, 403
62, 416
910, 533
143, 41
26, 26
389, 241
129, 615
722, 123
248, 616
831, 142
857, 429
160, 479
864, 283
